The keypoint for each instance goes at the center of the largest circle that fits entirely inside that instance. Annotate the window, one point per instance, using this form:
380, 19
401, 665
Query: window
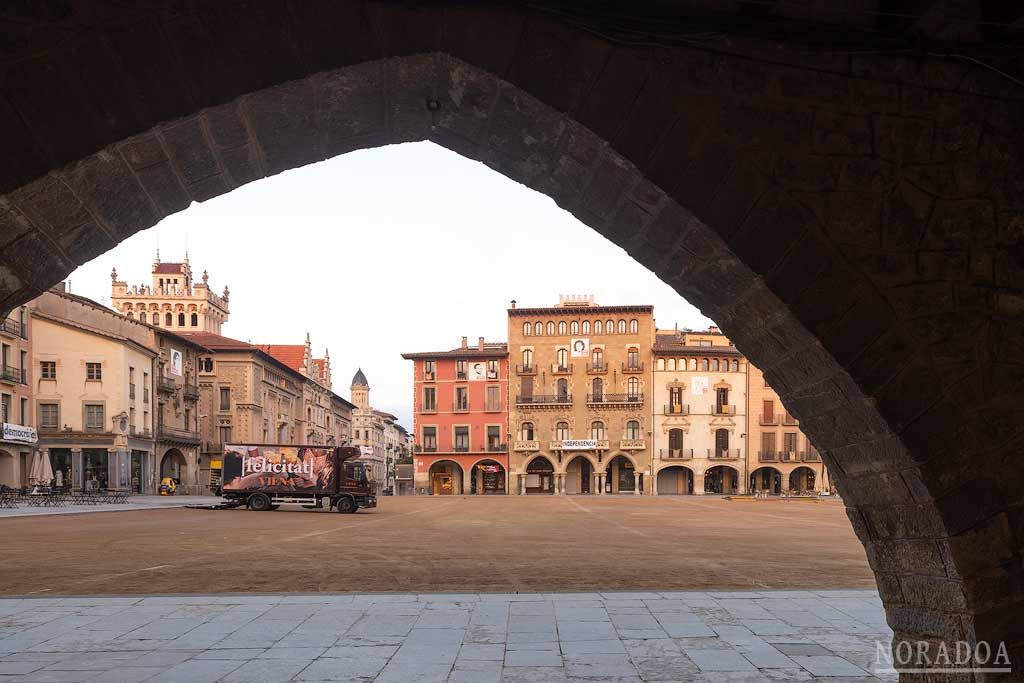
224, 434
597, 387
550, 328
460, 369
195, 320
493, 399
527, 388
768, 410
597, 430
94, 416
634, 326
462, 439
722, 400
493, 437
145, 387
562, 355
597, 355
526, 431
704, 364
735, 366
207, 365
768, 442
659, 364
461, 398
609, 326
622, 327
562, 390
586, 327
675, 441
633, 389
181, 320
24, 411
48, 369
94, 371
492, 369
538, 329
430, 439
722, 442
142, 317
5, 407
168, 320
562, 431
49, 415
633, 429
429, 369
789, 442
598, 327
675, 400
633, 359
672, 364
574, 327
527, 329
131, 418
561, 327
527, 359
225, 398
429, 399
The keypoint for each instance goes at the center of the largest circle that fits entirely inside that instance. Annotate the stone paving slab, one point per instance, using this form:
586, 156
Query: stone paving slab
709, 637
134, 503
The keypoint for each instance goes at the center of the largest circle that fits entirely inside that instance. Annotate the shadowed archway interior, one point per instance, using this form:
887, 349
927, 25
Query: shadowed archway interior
854, 222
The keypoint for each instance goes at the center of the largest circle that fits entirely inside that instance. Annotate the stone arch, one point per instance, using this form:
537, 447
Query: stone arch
799, 201
445, 478
174, 464
673, 479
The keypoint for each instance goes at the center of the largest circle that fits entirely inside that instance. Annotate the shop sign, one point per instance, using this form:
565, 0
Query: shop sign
366, 450
13, 432
579, 445
490, 468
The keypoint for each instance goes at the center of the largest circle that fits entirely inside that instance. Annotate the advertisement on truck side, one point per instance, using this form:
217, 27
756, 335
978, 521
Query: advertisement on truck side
278, 468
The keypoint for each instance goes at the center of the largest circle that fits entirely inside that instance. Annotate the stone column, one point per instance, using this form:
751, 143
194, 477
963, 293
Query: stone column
467, 482
600, 479
638, 482
76, 468
522, 484
698, 483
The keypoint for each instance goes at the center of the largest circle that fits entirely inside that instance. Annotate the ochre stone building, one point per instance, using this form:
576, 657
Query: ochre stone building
173, 300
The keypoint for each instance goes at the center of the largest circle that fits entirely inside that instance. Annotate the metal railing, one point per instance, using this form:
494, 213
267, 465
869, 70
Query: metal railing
429, 376
428, 409
460, 449
767, 456
418, 448
16, 375
724, 454
597, 368
768, 419
526, 369
810, 456
13, 327
557, 369
677, 409
497, 448
174, 433
789, 420
545, 399
676, 453
166, 384
787, 456
460, 407
633, 367
717, 409
605, 399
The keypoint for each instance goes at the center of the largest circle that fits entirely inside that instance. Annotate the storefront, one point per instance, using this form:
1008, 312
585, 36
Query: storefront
540, 476
488, 478
16, 448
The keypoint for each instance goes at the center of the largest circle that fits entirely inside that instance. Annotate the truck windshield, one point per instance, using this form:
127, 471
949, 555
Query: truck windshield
359, 473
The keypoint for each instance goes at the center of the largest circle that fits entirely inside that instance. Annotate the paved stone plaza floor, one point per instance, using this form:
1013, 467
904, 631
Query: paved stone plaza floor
133, 503
474, 638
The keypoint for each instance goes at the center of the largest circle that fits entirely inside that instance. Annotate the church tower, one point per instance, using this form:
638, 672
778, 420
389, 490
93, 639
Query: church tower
361, 391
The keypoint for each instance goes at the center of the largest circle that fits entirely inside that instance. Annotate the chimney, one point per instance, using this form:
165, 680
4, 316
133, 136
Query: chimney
465, 342
480, 343
513, 303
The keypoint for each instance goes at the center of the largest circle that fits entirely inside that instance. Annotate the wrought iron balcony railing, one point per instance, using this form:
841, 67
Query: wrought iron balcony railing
676, 453
611, 399
545, 399
677, 409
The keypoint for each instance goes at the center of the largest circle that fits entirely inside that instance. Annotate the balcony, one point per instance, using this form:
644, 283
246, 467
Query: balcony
460, 407
429, 376
545, 400
557, 369
497, 448
767, 456
519, 446
633, 444
787, 456
166, 385
492, 407
676, 409
810, 456
13, 375
768, 420
424, 449
460, 374
615, 399
526, 369
789, 420
724, 454
633, 368
723, 409
175, 434
460, 448
13, 328
191, 392
428, 409
676, 454
597, 368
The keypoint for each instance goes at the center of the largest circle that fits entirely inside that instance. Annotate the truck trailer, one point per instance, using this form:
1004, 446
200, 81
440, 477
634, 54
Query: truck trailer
266, 476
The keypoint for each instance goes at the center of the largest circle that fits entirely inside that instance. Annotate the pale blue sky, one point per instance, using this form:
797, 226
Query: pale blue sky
400, 248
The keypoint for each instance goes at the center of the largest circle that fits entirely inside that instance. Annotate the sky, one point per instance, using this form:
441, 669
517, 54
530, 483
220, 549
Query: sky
382, 251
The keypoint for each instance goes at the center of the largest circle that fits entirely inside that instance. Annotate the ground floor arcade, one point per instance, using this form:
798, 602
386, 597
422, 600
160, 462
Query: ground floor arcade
699, 478
446, 474
102, 464
15, 464
580, 473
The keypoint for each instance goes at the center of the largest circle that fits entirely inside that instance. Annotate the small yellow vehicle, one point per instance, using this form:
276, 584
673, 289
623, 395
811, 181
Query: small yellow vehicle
168, 486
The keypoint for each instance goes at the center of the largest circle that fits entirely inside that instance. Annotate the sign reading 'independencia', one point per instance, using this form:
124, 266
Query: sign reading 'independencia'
579, 445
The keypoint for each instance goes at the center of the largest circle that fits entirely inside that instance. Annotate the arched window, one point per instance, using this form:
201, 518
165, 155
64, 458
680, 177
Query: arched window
168, 320
714, 365
704, 364
633, 358
563, 390
597, 356
660, 364
622, 327
597, 430
675, 441
142, 317
633, 388
561, 327
574, 327
526, 431
672, 364
538, 329
562, 431
131, 316
181, 320
735, 366
609, 326
598, 327
527, 329
195, 320
693, 363
597, 387
550, 328
722, 443
633, 429
634, 326
527, 358
562, 356
586, 327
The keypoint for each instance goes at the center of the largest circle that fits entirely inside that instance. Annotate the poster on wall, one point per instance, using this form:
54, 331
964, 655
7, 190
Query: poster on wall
477, 371
699, 386
176, 364
580, 347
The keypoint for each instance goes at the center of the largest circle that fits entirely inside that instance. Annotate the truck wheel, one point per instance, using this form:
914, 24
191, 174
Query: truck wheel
345, 504
259, 502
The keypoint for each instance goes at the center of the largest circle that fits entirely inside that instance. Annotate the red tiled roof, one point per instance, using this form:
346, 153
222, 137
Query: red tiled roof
291, 355
170, 268
216, 341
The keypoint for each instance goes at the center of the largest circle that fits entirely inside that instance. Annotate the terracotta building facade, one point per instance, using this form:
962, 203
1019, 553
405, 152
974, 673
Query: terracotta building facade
461, 411
19, 437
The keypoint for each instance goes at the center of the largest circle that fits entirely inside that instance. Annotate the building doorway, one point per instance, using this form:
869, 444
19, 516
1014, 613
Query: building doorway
579, 476
487, 478
8, 465
721, 479
675, 481
540, 476
445, 478
621, 476
766, 480
802, 480
172, 465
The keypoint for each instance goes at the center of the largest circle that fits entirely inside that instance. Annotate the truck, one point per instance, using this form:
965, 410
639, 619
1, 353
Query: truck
266, 476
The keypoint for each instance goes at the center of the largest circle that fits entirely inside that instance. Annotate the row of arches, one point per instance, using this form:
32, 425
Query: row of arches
698, 364
528, 432
168, 319
725, 480
538, 329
